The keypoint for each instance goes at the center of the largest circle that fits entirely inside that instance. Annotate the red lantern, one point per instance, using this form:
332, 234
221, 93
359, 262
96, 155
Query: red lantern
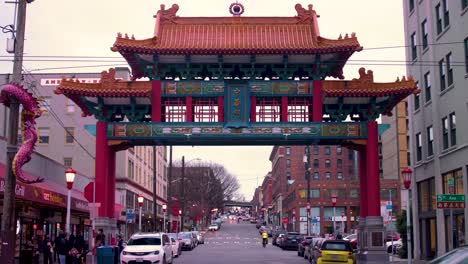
334, 200
407, 173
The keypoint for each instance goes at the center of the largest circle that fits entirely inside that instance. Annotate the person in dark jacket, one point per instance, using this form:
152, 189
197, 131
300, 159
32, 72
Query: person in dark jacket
47, 250
61, 247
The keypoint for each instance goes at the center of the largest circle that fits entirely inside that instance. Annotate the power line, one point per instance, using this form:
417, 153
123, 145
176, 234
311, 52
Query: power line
52, 112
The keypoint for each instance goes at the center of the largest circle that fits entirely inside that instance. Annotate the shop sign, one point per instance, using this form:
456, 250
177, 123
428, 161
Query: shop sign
81, 205
20, 190
53, 198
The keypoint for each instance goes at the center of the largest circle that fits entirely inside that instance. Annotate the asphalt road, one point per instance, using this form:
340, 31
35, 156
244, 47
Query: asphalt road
240, 244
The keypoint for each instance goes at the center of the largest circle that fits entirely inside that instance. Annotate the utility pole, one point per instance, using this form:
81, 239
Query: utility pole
182, 194
169, 185
8, 233
307, 176
155, 177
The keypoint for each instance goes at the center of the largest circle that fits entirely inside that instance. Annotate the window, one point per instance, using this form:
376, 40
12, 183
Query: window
288, 163
411, 5
316, 176
130, 169
424, 33
442, 74
339, 163
453, 129
69, 135
446, 13
427, 86
418, 147
43, 135
416, 101
464, 4
413, 46
288, 151
449, 69
316, 163
339, 150
430, 141
350, 154
466, 53
427, 195
445, 133
438, 19
70, 106
327, 151
67, 162
314, 193
339, 175
327, 175
456, 179
288, 176
316, 150
327, 163
354, 193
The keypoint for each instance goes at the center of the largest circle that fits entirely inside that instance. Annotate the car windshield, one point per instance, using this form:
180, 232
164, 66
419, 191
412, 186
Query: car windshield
185, 235
172, 235
144, 241
337, 246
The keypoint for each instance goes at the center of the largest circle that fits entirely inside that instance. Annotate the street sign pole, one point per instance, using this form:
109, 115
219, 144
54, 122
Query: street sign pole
451, 185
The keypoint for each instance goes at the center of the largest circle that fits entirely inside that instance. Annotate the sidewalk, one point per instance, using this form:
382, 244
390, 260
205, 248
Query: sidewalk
397, 260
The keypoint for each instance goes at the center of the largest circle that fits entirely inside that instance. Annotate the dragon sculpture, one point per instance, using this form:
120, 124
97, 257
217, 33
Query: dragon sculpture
30, 112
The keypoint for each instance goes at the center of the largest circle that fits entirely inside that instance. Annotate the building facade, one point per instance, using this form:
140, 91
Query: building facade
333, 171
436, 33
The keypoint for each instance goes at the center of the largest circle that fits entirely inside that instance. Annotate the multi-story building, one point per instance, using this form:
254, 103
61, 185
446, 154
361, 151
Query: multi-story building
436, 33
69, 139
333, 171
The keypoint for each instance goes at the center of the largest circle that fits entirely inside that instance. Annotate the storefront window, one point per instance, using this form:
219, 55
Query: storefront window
456, 177
458, 234
427, 195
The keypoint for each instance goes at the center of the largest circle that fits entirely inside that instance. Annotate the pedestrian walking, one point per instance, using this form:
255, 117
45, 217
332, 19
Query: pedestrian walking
47, 250
61, 247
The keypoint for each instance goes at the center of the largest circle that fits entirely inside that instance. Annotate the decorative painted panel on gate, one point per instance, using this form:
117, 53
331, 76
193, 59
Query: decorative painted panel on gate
215, 130
236, 105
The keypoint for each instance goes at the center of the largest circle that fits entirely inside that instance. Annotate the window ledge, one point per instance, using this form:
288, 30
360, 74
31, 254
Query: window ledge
411, 12
452, 149
414, 61
443, 32
464, 11
447, 90
425, 50
426, 104
466, 75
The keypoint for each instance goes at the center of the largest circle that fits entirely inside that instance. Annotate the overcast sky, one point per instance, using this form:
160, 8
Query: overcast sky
89, 28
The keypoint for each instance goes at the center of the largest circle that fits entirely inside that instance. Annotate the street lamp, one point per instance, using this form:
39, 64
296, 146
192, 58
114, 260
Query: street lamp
294, 219
407, 174
140, 204
333, 197
308, 221
180, 220
164, 207
70, 176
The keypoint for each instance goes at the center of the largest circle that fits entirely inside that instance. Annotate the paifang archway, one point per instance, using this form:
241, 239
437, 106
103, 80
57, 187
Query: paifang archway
239, 81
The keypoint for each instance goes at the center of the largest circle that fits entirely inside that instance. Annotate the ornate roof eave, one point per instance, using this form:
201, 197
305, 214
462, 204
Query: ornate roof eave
366, 87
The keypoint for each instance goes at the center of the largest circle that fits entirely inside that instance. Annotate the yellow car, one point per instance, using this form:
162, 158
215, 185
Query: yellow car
336, 251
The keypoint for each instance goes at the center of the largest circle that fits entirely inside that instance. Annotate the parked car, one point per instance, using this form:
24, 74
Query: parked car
253, 220
188, 242
336, 251
352, 239
391, 235
213, 227
276, 235
199, 236
311, 252
153, 247
396, 246
279, 240
456, 256
302, 245
173, 236
290, 240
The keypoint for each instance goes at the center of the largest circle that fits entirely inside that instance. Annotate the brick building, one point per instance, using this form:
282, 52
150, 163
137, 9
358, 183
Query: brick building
334, 170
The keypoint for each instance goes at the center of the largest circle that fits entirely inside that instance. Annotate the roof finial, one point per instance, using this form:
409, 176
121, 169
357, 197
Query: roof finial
236, 9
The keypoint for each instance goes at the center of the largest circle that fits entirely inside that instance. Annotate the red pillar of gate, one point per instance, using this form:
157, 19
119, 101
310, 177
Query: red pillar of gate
373, 180
317, 114
101, 168
253, 109
284, 109
220, 109
155, 101
189, 107
362, 182
110, 199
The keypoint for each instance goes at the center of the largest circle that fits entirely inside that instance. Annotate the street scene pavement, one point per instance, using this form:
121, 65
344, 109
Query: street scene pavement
237, 243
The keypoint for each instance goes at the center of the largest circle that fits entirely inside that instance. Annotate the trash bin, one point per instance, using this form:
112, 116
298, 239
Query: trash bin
105, 255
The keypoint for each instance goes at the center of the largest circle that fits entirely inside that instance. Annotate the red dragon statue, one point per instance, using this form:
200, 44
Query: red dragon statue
30, 112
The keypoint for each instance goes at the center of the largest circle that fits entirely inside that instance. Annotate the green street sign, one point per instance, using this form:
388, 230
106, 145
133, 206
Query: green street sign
450, 198
450, 182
